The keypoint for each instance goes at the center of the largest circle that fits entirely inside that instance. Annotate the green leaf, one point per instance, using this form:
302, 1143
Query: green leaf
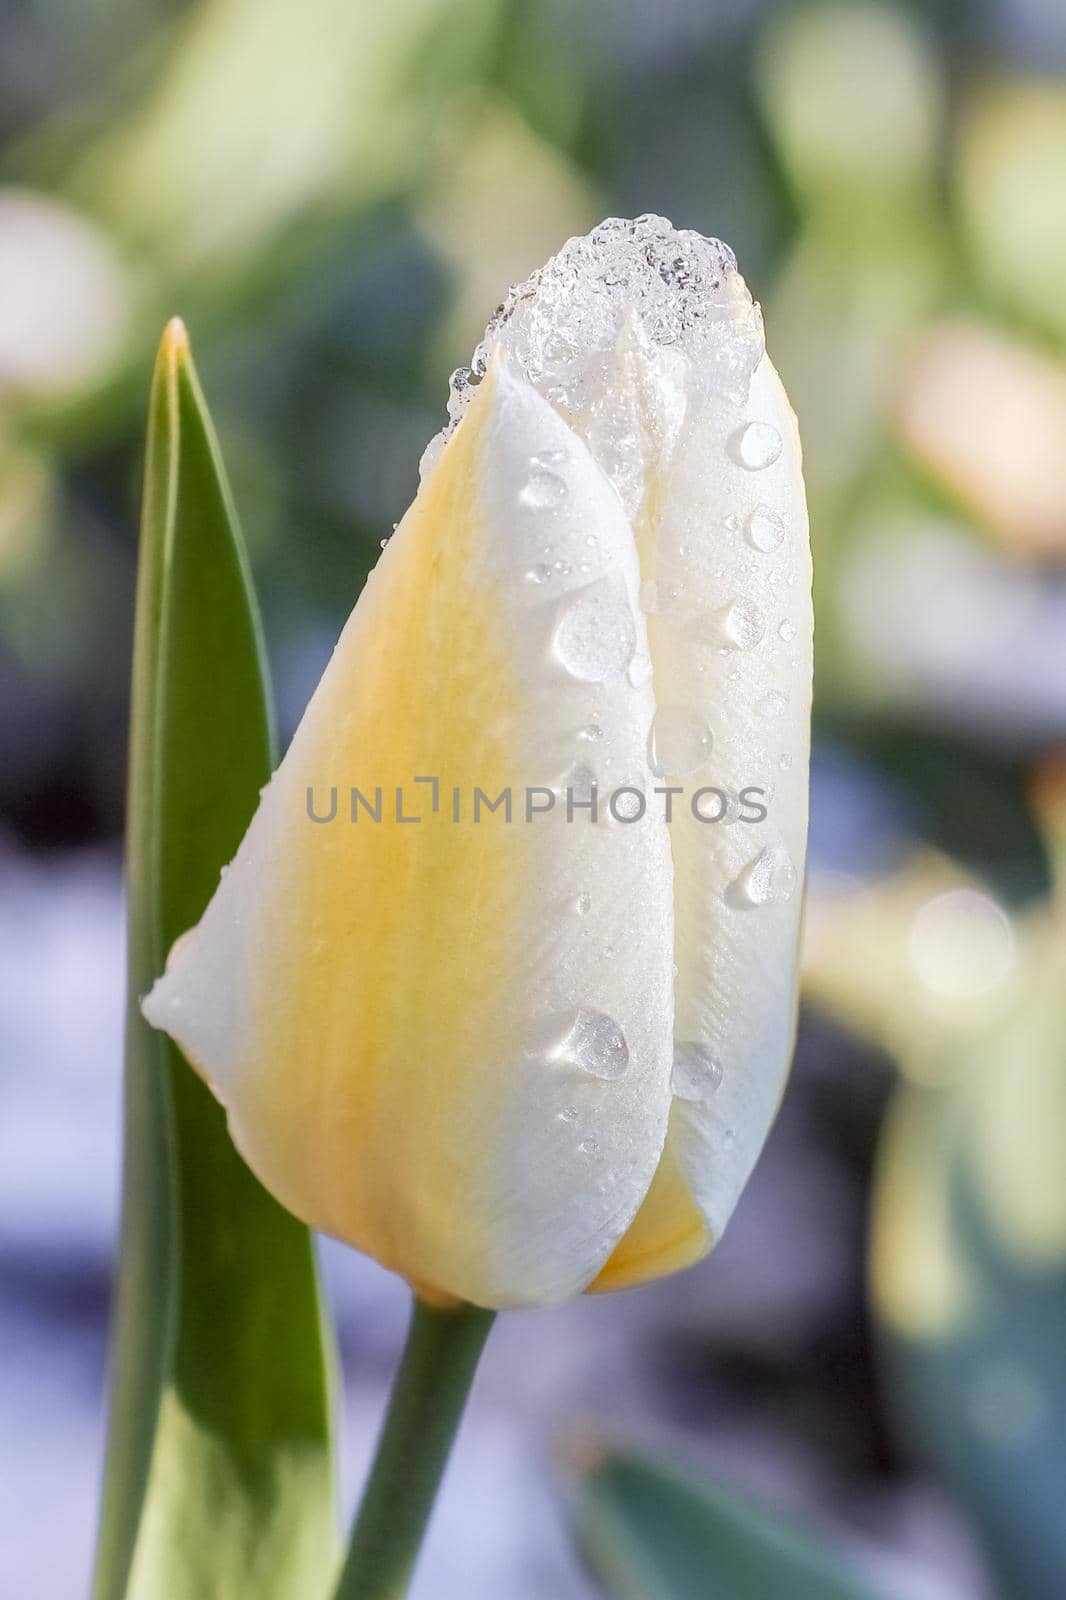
219, 1478
969, 1252
654, 1533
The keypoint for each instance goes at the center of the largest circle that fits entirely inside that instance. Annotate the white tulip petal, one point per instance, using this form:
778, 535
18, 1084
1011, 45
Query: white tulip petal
428, 1037
647, 341
515, 1060
735, 648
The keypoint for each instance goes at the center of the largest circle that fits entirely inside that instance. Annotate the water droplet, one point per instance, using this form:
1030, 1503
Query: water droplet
431, 455
596, 636
679, 742
382, 543
583, 905
580, 782
740, 625
785, 762
587, 1040
786, 630
729, 1137
567, 1114
550, 458
772, 704
765, 530
756, 445
562, 568
696, 1072
649, 596
541, 573
770, 879
542, 490
640, 671
459, 386
588, 1147
592, 732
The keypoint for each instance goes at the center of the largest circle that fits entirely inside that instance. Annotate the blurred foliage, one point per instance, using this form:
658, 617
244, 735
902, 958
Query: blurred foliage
335, 196
650, 1529
969, 1218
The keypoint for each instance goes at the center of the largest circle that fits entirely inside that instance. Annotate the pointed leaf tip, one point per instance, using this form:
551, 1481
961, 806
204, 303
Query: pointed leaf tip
175, 340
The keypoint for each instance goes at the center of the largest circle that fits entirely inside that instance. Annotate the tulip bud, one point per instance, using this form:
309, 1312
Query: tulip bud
471, 1001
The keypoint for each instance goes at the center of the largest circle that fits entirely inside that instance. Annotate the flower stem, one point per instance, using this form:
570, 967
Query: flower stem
428, 1396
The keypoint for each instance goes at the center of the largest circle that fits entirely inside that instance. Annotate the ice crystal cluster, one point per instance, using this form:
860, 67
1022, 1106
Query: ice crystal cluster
632, 287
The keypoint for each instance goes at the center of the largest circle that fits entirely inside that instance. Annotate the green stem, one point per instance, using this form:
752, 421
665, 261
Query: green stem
428, 1396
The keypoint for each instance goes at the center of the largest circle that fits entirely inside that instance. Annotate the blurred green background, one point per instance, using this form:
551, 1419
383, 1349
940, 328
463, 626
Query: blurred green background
334, 195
